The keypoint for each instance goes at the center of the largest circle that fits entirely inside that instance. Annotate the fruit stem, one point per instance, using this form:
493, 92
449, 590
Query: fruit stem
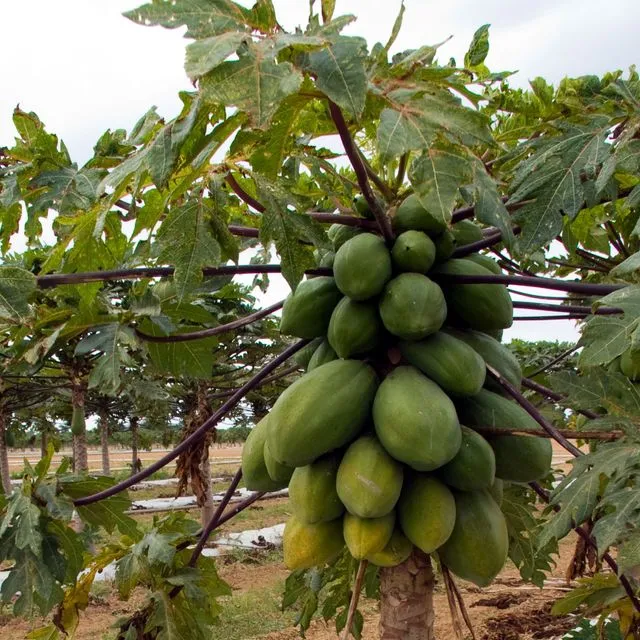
567, 433
199, 433
243, 195
494, 237
212, 331
355, 597
566, 308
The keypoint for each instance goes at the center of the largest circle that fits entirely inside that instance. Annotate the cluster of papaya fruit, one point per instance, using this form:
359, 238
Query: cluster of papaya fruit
370, 439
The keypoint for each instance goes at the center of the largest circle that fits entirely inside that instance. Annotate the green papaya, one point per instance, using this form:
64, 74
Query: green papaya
496, 334
279, 473
327, 259
340, 233
473, 467
479, 306
497, 490
364, 536
311, 545
303, 357
630, 364
521, 458
355, 328
321, 411
449, 362
495, 354
413, 251
466, 232
324, 353
369, 480
445, 245
362, 266
398, 549
486, 262
415, 420
477, 548
412, 215
412, 306
307, 310
78, 425
254, 469
312, 491
426, 512
361, 205
489, 409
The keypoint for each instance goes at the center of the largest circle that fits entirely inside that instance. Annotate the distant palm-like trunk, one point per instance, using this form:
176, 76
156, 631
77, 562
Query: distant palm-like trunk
4, 457
104, 442
203, 411
406, 600
135, 463
80, 455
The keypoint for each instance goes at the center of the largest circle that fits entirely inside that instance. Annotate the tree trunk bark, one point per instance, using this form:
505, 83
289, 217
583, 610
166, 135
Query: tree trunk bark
135, 463
208, 508
104, 443
406, 600
203, 409
5, 476
44, 443
80, 455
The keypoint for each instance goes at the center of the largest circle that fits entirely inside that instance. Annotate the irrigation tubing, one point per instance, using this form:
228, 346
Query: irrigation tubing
199, 433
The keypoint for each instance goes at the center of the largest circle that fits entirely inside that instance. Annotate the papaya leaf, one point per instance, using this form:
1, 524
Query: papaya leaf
204, 55
627, 267
16, 286
479, 48
605, 338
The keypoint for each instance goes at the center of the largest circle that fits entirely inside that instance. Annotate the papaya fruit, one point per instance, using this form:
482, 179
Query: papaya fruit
449, 362
412, 306
362, 266
473, 467
426, 512
479, 306
321, 411
324, 353
361, 205
254, 469
497, 490
411, 215
415, 420
477, 548
312, 491
364, 536
495, 354
496, 334
311, 545
466, 232
279, 473
445, 245
355, 328
486, 262
398, 549
521, 458
340, 233
307, 310
327, 259
78, 425
413, 251
303, 357
630, 364
369, 480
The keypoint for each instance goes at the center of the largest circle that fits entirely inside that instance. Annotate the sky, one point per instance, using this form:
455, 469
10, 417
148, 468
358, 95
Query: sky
83, 68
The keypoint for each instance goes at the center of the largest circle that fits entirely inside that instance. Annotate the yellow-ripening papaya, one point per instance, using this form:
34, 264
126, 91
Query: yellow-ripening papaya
412, 215
311, 545
426, 511
477, 548
398, 549
369, 480
279, 473
364, 536
362, 266
415, 420
478, 306
321, 411
452, 364
78, 425
307, 310
312, 491
412, 306
254, 469
413, 251
473, 467
355, 328
324, 353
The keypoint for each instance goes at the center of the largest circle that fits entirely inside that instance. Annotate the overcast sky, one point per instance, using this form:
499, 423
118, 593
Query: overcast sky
84, 68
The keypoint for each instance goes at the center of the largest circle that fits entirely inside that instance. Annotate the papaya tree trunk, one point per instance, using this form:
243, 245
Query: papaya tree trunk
208, 507
104, 442
203, 411
44, 442
80, 455
406, 600
5, 476
135, 463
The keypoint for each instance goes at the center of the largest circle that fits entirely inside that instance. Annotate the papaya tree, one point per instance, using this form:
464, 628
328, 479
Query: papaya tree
451, 197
